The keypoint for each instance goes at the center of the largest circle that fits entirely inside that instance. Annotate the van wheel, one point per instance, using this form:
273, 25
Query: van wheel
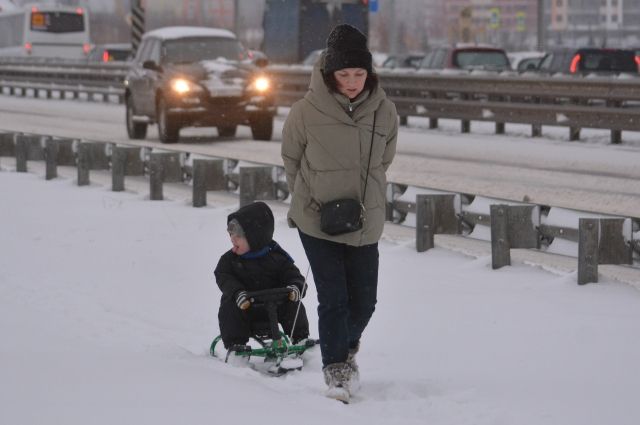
227, 130
262, 127
135, 130
168, 126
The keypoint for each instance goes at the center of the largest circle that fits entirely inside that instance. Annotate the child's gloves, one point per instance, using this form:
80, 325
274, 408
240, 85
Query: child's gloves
242, 301
294, 294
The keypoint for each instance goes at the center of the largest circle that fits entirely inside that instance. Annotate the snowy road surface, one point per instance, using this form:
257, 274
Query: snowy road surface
108, 306
590, 175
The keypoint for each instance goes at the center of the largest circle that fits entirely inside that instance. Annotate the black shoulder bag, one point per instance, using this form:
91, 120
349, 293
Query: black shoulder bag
346, 215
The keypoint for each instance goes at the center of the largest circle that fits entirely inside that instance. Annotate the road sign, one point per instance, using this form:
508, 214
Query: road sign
521, 23
373, 6
494, 18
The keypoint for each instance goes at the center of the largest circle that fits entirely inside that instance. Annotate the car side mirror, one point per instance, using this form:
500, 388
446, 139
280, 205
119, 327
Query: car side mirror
261, 62
152, 65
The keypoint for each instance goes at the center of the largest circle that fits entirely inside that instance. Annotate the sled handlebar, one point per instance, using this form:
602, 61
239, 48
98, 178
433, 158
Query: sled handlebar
268, 295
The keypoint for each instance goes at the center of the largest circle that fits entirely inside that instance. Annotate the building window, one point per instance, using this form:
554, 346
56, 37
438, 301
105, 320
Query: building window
559, 3
614, 18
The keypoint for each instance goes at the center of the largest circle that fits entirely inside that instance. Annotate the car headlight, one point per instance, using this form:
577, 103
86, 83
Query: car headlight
183, 86
261, 84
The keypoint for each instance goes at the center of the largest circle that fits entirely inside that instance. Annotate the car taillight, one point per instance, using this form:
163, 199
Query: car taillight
79, 11
105, 56
28, 47
86, 47
637, 59
574, 64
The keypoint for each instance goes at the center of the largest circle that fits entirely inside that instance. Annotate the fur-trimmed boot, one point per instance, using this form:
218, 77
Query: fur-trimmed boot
337, 376
354, 383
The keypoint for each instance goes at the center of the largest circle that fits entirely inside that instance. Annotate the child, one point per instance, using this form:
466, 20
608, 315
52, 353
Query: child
256, 262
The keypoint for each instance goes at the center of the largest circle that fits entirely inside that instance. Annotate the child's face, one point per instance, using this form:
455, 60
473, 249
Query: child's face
240, 244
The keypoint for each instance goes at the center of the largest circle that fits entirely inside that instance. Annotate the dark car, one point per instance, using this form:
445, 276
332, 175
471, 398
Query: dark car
118, 52
196, 77
591, 60
466, 57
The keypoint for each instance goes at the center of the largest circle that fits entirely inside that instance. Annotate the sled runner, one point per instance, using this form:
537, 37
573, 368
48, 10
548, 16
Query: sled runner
279, 353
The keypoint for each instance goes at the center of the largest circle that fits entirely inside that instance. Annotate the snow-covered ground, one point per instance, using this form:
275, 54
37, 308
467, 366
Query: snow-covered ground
108, 306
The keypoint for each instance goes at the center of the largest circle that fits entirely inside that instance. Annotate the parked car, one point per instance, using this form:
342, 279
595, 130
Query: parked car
196, 76
119, 52
466, 57
411, 60
590, 60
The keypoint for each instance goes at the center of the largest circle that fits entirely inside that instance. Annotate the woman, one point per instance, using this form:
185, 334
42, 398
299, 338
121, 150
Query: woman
332, 151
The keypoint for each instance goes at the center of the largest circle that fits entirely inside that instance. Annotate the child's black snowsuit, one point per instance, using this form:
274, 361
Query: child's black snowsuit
266, 266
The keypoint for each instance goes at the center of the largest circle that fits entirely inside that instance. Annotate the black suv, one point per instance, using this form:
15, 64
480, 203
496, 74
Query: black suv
590, 60
193, 76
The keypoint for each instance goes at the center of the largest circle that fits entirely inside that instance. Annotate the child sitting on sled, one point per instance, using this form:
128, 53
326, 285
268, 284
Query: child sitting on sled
256, 262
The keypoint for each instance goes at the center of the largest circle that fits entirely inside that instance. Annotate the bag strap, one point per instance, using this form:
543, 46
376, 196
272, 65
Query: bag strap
366, 179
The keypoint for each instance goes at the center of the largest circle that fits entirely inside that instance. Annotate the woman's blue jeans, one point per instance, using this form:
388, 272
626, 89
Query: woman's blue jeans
346, 279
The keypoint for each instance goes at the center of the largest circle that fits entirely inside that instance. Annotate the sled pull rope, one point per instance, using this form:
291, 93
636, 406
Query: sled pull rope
295, 318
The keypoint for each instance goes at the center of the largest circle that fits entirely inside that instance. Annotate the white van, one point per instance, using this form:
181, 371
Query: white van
43, 30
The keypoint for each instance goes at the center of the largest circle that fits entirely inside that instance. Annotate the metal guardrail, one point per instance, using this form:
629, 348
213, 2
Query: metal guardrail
575, 102
433, 213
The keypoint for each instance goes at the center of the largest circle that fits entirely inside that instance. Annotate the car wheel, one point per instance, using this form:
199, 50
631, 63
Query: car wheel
262, 127
135, 130
227, 130
168, 127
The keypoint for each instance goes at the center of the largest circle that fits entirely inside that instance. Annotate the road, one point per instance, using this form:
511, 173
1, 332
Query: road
589, 175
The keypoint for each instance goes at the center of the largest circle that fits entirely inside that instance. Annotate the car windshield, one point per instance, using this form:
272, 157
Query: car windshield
189, 50
613, 61
481, 59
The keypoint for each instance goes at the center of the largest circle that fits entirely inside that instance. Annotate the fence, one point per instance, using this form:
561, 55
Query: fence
574, 102
599, 239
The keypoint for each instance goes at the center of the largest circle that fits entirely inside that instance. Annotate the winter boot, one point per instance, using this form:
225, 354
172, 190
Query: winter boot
354, 383
337, 376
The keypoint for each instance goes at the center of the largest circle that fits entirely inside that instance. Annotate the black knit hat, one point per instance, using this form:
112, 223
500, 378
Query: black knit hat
257, 223
347, 48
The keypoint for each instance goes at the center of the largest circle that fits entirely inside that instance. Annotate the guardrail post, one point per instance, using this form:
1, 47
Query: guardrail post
156, 176
208, 174
425, 219
500, 248
524, 221
616, 137
435, 214
433, 123
588, 232
118, 168
574, 133
22, 152
404, 120
536, 130
256, 183
516, 226
7, 146
50, 157
84, 163
199, 183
